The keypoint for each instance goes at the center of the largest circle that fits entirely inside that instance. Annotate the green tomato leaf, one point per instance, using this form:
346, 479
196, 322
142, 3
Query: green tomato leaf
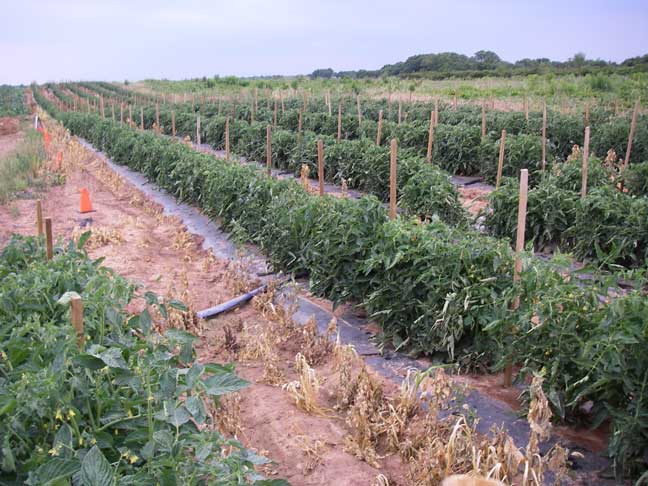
96, 470
225, 383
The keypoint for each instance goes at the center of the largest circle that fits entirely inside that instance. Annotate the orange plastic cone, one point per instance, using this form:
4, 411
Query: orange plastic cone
86, 205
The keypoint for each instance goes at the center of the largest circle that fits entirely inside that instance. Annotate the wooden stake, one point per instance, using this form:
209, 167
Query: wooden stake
526, 109
379, 132
483, 133
130, 116
76, 315
328, 103
521, 223
392, 179
320, 166
274, 116
400, 110
500, 163
339, 132
430, 138
633, 125
157, 117
544, 135
48, 239
198, 129
454, 103
359, 110
101, 105
519, 248
587, 115
585, 162
227, 138
142, 118
39, 217
269, 149
173, 128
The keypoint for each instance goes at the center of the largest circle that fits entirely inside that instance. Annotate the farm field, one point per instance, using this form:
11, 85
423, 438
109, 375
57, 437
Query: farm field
407, 323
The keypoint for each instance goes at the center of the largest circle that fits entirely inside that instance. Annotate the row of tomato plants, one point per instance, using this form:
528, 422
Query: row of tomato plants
606, 226
12, 101
434, 289
461, 149
127, 406
423, 189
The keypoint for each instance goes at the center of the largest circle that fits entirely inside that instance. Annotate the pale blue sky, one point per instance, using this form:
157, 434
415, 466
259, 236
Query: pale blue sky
117, 39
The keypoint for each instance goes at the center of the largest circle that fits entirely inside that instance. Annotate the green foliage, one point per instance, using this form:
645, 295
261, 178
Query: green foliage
457, 148
520, 152
19, 169
130, 407
428, 193
591, 354
445, 280
635, 178
607, 226
12, 100
610, 226
569, 174
433, 288
614, 135
550, 212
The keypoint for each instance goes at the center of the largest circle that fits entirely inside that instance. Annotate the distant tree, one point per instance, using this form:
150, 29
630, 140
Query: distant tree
487, 60
578, 60
636, 61
322, 73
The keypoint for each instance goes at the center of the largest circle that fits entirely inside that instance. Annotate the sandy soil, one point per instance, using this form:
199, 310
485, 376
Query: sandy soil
474, 199
10, 134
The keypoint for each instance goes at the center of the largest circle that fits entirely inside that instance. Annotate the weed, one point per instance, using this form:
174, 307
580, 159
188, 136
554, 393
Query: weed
100, 236
364, 419
312, 449
19, 169
346, 361
317, 347
304, 391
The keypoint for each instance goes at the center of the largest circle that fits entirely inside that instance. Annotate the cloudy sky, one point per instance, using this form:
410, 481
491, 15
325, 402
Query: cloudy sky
52, 40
